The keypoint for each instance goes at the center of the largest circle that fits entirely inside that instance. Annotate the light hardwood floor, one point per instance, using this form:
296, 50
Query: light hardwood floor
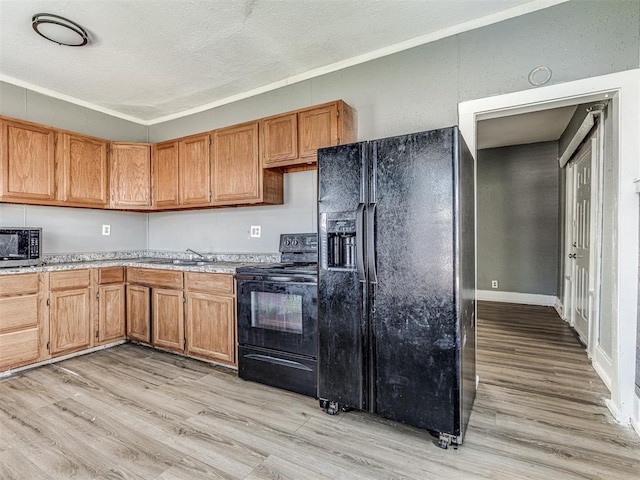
135, 413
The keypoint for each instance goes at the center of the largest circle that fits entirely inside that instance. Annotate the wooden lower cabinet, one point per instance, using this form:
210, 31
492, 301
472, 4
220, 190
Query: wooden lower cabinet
111, 313
211, 327
110, 304
70, 316
210, 316
23, 325
138, 313
168, 319
70, 321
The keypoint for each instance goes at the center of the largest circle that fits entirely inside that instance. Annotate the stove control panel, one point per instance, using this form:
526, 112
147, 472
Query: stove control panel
299, 243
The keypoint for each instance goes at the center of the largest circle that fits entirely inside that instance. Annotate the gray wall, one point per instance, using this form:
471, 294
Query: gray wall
73, 229
227, 229
419, 89
518, 218
409, 91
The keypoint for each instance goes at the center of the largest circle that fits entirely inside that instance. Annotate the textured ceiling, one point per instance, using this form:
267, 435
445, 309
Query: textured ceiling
149, 60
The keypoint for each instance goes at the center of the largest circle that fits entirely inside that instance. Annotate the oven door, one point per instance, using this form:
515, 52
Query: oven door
278, 313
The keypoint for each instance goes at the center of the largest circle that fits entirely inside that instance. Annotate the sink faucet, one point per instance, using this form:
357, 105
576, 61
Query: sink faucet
199, 254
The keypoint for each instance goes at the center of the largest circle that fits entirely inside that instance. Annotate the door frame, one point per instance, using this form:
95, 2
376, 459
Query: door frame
623, 91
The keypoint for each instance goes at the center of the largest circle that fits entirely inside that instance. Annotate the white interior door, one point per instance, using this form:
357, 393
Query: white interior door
580, 253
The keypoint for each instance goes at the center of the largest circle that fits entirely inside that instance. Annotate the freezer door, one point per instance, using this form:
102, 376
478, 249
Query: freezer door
466, 277
341, 277
414, 304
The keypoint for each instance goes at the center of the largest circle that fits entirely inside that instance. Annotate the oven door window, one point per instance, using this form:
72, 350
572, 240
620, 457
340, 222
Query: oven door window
278, 315
276, 311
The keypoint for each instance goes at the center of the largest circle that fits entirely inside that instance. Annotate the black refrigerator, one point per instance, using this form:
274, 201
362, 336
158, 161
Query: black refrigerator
396, 285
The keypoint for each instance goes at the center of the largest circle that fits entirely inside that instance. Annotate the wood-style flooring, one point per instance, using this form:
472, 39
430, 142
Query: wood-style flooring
135, 413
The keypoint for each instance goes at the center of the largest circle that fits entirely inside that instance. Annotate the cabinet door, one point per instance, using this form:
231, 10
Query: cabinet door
111, 313
130, 175
237, 174
211, 327
28, 160
194, 170
279, 139
84, 175
317, 128
70, 323
138, 313
168, 319
165, 175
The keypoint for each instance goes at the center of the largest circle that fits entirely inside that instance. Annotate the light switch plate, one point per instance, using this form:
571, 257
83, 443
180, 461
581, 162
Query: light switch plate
106, 229
255, 231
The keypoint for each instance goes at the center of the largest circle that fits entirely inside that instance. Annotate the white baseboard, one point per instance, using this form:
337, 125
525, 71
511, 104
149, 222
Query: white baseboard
603, 365
559, 307
517, 297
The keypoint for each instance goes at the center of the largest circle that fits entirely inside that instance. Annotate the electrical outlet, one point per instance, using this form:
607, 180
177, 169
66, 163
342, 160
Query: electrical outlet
255, 231
494, 283
106, 229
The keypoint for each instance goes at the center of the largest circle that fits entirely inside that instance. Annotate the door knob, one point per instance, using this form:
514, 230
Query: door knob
572, 255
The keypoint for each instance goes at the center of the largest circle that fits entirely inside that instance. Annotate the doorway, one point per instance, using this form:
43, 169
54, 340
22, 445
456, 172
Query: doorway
623, 89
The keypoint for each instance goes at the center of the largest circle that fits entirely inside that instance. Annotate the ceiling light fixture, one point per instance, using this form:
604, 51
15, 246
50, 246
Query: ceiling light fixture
59, 30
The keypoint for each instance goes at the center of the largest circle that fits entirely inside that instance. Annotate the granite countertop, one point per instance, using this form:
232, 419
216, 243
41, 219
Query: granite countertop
214, 263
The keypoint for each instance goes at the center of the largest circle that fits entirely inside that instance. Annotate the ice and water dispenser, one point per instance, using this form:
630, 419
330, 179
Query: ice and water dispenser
338, 238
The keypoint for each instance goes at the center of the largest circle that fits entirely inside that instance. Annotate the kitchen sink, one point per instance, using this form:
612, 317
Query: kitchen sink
179, 261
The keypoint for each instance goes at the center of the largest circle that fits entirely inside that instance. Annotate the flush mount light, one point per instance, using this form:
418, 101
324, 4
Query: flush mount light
59, 30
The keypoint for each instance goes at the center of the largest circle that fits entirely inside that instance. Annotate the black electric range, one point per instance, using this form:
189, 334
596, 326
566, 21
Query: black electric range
277, 308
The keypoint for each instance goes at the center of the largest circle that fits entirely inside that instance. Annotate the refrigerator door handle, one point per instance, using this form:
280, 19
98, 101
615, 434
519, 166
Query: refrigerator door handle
371, 243
360, 242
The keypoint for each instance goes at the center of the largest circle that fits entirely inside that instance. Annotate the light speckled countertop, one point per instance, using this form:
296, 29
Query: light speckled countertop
219, 263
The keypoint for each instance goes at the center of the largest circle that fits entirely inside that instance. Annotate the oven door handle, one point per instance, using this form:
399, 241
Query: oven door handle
360, 242
278, 361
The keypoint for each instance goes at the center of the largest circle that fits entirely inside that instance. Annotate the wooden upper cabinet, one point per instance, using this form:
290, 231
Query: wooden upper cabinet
320, 127
194, 170
165, 174
279, 139
293, 139
130, 175
82, 170
236, 168
28, 162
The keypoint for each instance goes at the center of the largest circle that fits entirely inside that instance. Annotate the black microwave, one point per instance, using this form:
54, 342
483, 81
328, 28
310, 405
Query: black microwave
20, 246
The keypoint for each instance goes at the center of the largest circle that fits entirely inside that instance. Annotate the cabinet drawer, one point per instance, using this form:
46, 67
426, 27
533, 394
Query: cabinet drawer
209, 282
19, 284
18, 312
155, 278
110, 275
19, 348
69, 279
